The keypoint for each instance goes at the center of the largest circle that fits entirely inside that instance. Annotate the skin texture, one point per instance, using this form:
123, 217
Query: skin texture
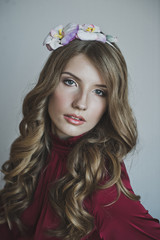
82, 94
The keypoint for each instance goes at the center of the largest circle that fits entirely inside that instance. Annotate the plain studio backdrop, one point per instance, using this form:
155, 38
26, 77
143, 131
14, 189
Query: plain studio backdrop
24, 25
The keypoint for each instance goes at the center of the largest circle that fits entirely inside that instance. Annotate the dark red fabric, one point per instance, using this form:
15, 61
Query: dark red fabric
123, 220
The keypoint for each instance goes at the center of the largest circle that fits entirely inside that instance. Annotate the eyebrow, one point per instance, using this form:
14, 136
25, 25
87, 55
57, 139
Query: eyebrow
74, 76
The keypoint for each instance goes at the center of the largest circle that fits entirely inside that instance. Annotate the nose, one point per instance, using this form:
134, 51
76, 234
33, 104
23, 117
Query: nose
80, 101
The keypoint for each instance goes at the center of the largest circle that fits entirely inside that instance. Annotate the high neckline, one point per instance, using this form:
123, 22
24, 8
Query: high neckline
64, 144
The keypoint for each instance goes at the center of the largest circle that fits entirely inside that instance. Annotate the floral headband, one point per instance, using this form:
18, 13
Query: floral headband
60, 36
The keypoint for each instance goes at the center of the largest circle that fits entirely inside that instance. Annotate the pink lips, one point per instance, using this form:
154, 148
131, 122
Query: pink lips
74, 119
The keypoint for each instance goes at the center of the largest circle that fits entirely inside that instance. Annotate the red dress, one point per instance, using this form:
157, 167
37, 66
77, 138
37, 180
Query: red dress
124, 220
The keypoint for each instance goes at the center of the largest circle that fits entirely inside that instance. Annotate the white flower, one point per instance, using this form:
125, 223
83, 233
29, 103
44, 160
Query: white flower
53, 39
60, 36
90, 32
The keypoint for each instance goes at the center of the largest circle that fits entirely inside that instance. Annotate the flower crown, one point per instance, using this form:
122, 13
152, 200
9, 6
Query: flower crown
60, 36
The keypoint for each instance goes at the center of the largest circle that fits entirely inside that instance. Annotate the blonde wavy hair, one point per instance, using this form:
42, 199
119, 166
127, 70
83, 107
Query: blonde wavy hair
113, 137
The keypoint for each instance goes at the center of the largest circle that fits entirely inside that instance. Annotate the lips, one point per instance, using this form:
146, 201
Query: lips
74, 116
74, 119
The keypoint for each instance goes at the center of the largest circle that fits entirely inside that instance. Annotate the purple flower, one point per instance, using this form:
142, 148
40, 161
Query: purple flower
60, 36
70, 33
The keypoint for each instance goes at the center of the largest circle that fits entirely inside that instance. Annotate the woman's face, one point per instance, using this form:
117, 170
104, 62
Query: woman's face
79, 100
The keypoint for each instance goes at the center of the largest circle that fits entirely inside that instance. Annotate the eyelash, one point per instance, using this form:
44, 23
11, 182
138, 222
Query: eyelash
102, 93
71, 83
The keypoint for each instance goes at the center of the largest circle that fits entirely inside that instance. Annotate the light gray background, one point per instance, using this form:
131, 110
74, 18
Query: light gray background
23, 26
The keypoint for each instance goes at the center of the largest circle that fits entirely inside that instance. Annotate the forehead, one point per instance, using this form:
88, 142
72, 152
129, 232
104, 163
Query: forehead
83, 68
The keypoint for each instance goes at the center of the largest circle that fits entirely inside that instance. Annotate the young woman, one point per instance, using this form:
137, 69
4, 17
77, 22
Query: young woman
66, 178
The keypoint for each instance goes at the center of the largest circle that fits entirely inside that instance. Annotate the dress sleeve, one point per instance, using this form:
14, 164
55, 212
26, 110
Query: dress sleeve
124, 219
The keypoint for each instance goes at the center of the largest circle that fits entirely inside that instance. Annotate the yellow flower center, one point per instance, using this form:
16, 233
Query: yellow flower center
90, 29
59, 34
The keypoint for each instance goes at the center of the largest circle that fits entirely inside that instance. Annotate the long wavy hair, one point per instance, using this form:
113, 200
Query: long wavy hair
109, 141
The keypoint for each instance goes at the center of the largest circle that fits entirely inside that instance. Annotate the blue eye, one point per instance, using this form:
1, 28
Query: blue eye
100, 92
70, 82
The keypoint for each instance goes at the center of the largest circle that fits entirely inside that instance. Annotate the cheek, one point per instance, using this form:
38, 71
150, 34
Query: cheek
99, 108
61, 96
104, 108
57, 102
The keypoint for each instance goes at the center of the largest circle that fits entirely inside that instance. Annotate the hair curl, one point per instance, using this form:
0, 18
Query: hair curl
113, 137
